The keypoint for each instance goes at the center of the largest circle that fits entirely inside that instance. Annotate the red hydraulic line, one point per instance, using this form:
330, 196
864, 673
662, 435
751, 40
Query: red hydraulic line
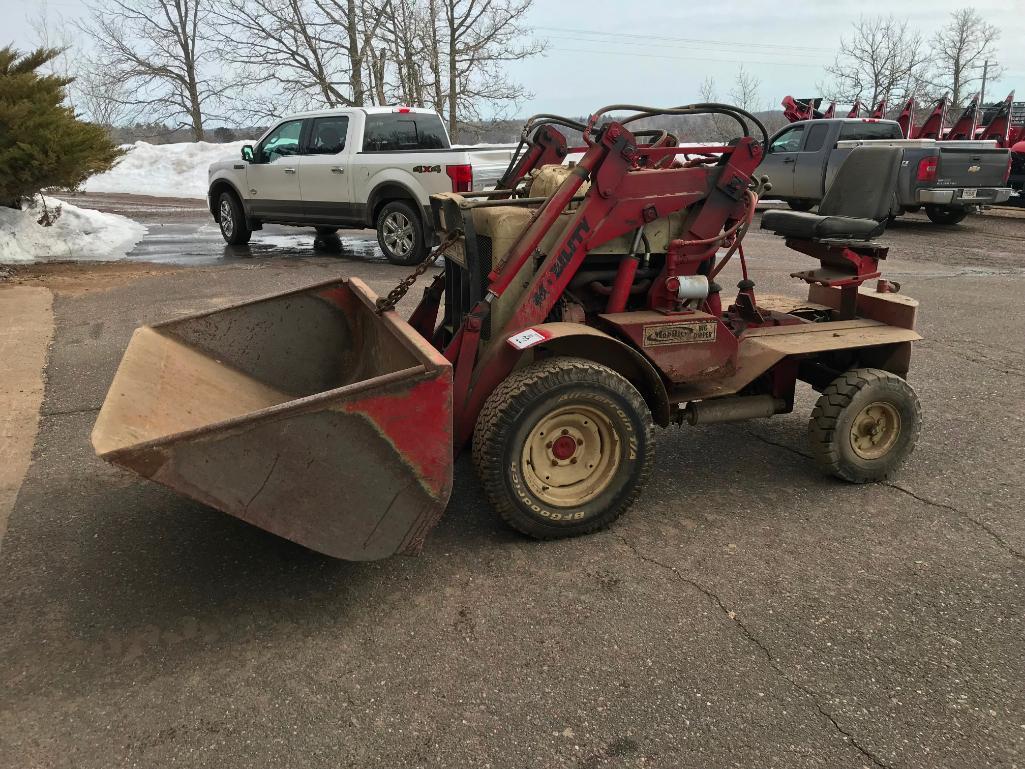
623, 283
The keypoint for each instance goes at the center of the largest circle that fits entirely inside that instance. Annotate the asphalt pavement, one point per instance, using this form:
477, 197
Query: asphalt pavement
747, 612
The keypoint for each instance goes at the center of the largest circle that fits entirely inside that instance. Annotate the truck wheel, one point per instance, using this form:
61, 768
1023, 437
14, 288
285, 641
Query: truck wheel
401, 234
801, 204
941, 215
865, 424
563, 447
232, 220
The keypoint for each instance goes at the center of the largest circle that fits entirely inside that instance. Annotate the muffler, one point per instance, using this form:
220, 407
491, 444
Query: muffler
733, 409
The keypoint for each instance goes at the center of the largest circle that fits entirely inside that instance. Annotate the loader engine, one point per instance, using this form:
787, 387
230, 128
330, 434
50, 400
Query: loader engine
486, 233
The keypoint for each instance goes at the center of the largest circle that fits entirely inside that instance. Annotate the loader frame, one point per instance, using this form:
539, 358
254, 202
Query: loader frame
633, 184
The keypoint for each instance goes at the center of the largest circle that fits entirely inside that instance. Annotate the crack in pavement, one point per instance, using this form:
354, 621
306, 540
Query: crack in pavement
777, 668
979, 360
1004, 544
985, 527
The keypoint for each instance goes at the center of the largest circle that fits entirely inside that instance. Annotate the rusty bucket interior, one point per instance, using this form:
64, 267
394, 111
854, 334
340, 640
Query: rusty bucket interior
304, 413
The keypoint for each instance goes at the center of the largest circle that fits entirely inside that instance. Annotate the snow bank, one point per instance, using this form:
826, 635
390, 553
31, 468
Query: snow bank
79, 233
164, 170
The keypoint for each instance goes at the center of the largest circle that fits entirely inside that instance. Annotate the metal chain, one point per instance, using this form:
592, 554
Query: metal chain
395, 295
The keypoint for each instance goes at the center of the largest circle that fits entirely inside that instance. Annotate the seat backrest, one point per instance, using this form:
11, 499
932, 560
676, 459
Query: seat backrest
865, 184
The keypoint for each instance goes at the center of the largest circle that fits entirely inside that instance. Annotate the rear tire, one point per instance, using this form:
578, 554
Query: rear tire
563, 447
232, 220
400, 233
941, 215
865, 424
801, 204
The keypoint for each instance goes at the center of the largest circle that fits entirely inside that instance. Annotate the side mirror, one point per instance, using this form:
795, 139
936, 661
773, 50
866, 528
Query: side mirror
247, 153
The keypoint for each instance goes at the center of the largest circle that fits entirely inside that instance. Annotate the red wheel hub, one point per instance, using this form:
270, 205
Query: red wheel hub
564, 447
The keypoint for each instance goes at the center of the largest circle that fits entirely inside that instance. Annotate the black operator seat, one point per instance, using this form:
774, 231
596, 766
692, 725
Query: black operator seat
857, 204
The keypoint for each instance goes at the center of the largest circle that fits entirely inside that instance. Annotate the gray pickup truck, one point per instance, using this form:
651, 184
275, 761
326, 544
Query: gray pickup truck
950, 179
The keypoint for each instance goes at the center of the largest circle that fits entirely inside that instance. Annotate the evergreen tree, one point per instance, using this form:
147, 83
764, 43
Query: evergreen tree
42, 143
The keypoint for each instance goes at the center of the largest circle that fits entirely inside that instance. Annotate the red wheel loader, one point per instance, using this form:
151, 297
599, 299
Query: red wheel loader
578, 306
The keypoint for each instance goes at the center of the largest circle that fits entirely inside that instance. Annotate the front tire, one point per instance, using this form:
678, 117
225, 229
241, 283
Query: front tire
232, 220
400, 233
941, 215
563, 447
865, 424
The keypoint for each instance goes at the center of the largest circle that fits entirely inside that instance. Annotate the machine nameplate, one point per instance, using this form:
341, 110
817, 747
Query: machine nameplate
664, 334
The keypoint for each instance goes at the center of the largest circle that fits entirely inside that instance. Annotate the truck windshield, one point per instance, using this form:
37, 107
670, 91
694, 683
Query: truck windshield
857, 131
404, 131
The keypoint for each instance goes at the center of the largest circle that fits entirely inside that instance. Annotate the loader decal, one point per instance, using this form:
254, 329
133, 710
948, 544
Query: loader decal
560, 263
665, 334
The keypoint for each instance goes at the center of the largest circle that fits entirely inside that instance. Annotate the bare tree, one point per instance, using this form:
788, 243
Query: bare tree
157, 51
445, 54
91, 92
51, 31
960, 51
304, 53
721, 128
283, 48
743, 94
474, 38
745, 91
882, 58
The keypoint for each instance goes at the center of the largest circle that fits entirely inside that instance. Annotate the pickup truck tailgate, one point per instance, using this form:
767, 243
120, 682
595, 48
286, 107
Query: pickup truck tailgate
971, 167
489, 163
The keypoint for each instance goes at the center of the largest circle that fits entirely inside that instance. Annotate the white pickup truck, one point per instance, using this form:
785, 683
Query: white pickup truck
373, 167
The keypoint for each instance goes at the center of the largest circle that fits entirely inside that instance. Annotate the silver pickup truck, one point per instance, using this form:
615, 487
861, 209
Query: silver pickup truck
950, 179
373, 167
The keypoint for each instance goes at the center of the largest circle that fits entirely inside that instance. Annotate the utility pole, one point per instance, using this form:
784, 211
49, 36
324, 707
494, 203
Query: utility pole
982, 90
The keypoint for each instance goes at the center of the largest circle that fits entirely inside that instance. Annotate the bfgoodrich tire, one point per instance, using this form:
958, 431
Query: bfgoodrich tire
941, 215
232, 220
865, 424
400, 233
563, 447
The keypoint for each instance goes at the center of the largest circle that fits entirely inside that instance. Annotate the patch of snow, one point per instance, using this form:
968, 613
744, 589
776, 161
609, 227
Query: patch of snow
164, 170
79, 233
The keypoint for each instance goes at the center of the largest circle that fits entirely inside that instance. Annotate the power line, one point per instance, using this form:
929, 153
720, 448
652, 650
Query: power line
690, 40
635, 55
674, 46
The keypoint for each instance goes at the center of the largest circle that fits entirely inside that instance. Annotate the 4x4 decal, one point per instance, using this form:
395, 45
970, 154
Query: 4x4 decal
427, 169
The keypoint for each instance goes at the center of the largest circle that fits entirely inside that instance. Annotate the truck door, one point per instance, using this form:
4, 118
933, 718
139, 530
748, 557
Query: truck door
781, 159
810, 170
273, 176
326, 171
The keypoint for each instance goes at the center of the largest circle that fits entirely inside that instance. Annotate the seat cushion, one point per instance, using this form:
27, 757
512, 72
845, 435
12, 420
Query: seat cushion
797, 224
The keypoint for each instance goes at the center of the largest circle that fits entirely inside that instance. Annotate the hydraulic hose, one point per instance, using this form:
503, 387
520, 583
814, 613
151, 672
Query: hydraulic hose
702, 108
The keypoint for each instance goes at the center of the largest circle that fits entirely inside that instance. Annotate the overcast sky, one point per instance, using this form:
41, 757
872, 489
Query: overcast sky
658, 52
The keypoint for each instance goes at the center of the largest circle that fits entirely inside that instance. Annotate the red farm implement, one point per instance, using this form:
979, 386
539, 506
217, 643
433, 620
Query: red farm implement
578, 307
1002, 122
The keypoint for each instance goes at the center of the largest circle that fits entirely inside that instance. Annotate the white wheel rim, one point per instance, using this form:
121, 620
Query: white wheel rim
227, 220
398, 233
571, 456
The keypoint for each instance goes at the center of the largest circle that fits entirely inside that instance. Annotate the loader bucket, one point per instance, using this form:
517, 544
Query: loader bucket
304, 413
